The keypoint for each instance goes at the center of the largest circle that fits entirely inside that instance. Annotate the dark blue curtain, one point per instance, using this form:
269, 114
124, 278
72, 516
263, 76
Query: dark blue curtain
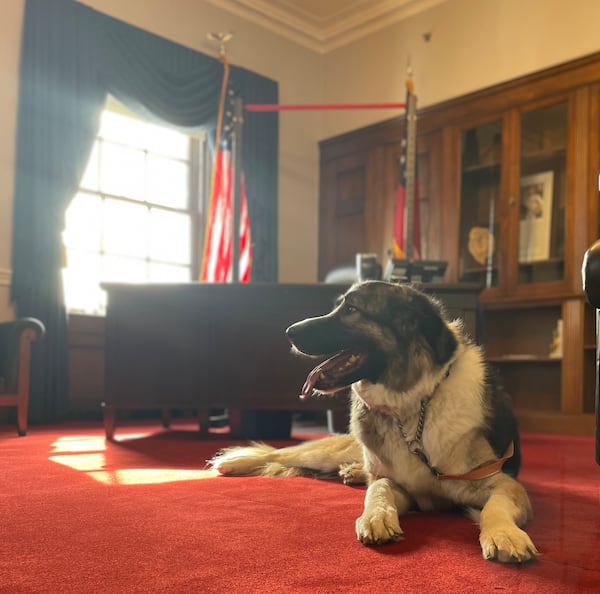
71, 58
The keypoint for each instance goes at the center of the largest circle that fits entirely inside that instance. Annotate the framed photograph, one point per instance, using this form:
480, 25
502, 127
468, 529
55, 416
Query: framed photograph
535, 217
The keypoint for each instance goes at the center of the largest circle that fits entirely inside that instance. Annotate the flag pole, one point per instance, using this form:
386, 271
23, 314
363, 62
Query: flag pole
222, 39
236, 151
411, 156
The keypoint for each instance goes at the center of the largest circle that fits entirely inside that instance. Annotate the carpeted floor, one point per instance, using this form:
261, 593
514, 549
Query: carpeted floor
142, 515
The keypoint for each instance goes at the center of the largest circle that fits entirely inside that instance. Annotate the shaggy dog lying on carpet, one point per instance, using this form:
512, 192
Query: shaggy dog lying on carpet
430, 429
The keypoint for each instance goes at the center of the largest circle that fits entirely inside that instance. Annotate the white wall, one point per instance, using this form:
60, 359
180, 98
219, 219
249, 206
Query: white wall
474, 44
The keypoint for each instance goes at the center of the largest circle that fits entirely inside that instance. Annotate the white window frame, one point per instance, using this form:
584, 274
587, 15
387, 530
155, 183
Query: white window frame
198, 162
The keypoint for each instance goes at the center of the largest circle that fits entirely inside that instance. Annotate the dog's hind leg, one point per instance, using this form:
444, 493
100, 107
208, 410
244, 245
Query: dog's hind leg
507, 508
318, 456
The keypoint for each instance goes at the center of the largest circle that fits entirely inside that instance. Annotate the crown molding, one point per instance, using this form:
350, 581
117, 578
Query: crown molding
323, 34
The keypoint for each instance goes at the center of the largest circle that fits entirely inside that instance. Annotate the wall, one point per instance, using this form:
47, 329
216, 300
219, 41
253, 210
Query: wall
474, 44
10, 39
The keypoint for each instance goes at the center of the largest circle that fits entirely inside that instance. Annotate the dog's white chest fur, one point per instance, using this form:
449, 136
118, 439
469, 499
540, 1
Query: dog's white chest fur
455, 409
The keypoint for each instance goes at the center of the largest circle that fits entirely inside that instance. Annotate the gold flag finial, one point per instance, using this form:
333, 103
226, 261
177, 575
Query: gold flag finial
410, 86
222, 39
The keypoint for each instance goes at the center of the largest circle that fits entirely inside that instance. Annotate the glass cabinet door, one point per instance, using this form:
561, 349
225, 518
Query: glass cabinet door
481, 172
541, 224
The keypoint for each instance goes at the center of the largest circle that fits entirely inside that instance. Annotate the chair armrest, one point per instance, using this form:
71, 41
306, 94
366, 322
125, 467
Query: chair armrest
590, 274
13, 335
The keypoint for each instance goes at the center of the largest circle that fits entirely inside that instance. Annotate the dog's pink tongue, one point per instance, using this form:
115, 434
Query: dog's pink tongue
311, 380
329, 375
313, 377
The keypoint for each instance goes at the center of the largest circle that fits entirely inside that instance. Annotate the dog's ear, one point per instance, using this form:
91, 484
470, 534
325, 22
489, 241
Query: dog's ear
440, 338
418, 315
435, 330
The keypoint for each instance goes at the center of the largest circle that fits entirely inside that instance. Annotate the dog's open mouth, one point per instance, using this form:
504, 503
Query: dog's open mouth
336, 373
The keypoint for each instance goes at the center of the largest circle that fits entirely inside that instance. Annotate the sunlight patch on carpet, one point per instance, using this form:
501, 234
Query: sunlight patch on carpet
87, 454
150, 476
79, 443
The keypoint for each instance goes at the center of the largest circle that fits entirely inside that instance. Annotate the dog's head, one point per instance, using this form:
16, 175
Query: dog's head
381, 332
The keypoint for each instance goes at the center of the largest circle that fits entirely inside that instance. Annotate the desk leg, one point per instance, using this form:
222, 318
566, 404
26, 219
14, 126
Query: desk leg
235, 422
110, 421
203, 421
338, 420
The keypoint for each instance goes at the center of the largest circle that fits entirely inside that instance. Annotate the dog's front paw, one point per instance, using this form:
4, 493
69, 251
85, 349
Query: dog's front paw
379, 527
353, 473
508, 545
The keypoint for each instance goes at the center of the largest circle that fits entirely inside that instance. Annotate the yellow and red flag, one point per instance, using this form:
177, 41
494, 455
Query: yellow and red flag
400, 220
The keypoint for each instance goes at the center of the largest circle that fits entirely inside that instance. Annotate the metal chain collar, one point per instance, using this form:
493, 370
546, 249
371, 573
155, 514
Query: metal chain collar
415, 445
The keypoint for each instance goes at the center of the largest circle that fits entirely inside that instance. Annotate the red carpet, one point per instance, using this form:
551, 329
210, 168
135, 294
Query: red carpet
142, 516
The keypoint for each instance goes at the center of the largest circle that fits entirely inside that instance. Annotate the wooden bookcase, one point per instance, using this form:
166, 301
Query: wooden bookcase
482, 159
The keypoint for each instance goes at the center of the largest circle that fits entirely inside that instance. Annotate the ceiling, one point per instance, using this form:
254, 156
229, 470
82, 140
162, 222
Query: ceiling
324, 25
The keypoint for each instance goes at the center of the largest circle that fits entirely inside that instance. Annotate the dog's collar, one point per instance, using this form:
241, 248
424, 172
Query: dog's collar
484, 470
415, 446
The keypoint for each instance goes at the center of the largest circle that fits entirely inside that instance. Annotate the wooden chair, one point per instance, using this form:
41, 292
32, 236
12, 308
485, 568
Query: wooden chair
15, 352
590, 273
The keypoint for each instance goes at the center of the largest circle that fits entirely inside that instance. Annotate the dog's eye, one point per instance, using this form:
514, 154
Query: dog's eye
349, 309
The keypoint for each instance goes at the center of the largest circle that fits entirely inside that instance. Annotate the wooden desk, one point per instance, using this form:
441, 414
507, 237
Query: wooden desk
203, 346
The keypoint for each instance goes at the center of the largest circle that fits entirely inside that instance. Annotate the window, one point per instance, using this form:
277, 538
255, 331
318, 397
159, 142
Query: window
136, 216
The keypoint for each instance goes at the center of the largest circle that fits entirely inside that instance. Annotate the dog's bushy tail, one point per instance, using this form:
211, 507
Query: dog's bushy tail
255, 459
314, 457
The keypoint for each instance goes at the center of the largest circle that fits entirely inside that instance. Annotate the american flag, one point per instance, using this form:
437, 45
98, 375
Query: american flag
400, 220
218, 248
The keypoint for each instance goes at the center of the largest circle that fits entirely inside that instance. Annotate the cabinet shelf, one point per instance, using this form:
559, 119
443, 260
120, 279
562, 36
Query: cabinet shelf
548, 262
542, 155
537, 155
481, 167
524, 358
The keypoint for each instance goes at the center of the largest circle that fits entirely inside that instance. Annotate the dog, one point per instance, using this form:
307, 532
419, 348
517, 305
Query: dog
430, 426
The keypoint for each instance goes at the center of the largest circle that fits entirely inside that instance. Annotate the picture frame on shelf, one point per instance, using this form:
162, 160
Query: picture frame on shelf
535, 216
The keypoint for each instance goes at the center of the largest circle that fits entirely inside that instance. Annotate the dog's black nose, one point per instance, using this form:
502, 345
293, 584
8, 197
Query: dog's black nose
290, 330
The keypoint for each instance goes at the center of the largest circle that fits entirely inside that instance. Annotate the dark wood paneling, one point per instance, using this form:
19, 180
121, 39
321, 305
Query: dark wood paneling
344, 181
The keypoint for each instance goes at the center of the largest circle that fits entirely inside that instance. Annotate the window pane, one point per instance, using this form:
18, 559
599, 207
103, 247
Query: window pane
165, 273
167, 182
82, 281
125, 228
123, 129
170, 236
90, 178
167, 141
542, 218
111, 233
83, 222
480, 190
124, 270
122, 171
